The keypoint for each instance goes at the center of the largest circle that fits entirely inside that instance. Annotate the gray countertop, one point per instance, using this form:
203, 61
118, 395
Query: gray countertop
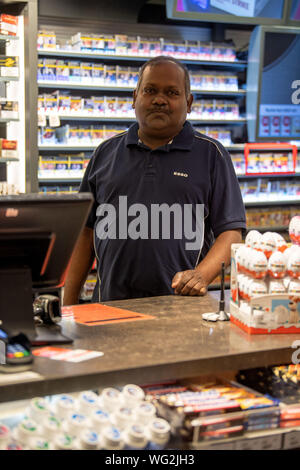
177, 343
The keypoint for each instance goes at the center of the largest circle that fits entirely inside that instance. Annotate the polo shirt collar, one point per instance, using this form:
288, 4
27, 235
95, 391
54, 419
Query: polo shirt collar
182, 141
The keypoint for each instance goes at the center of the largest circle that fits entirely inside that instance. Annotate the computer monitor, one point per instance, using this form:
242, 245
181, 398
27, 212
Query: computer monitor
273, 82
37, 236
229, 11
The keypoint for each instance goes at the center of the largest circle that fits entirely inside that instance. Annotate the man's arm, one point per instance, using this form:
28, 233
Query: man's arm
81, 263
195, 281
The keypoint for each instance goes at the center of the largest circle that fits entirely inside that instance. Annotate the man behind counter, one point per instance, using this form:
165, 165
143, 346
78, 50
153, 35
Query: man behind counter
160, 162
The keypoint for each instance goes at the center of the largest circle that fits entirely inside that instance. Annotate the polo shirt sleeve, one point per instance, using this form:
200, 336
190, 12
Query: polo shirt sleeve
227, 210
87, 186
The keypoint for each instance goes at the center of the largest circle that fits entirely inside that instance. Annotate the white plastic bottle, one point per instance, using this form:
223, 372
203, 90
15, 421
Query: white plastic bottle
111, 399
39, 443
88, 402
158, 432
51, 427
38, 409
89, 440
132, 395
27, 430
100, 419
76, 423
123, 417
135, 437
111, 439
144, 412
65, 405
64, 441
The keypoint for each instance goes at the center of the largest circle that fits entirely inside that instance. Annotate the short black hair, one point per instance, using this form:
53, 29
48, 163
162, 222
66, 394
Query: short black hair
162, 59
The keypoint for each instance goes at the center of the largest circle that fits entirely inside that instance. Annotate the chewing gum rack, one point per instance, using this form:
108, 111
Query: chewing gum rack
262, 314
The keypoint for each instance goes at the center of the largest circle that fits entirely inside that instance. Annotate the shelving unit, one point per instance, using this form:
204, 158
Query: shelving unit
20, 173
49, 86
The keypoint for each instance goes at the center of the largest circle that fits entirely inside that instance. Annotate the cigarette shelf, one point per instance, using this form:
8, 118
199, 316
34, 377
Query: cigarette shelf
63, 117
67, 147
88, 86
279, 202
124, 58
6, 120
8, 37
9, 79
269, 176
8, 159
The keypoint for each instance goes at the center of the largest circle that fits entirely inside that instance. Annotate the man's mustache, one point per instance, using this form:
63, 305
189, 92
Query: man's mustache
158, 109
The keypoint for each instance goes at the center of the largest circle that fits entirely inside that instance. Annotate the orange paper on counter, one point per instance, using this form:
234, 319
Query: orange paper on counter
98, 314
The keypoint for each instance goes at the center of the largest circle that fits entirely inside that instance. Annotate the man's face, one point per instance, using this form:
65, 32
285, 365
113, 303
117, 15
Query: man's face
161, 104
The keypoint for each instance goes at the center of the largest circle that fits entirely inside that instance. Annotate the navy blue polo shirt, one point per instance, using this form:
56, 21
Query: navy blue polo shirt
137, 258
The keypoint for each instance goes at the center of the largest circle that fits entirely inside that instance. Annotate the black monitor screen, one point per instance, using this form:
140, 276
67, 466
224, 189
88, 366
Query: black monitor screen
279, 101
40, 232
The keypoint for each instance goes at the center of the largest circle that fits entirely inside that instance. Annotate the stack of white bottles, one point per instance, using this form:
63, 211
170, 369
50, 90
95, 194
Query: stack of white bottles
266, 265
113, 420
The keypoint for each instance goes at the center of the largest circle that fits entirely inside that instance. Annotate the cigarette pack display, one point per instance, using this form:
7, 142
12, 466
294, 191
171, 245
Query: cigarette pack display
223, 52
97, 134
74, 71
98, 43
8, 148
51, 103
205, 51
9, 66
110, 103
175, 48
82, 42
110, 75
133, 76
9, 109
64, 102
122, 76
124, 107
40, 72
109, 44
121, 44
86, 72
46, 40
62, 70
88, 106
192, 49
47, 136
76, 104
8, 24
49, 70
238, 161
132, 45
98, 73
99, 105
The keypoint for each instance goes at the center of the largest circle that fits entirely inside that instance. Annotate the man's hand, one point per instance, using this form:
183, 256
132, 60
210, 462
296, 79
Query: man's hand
189, 282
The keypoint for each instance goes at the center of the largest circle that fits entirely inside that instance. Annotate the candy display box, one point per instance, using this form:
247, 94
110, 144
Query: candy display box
265, 313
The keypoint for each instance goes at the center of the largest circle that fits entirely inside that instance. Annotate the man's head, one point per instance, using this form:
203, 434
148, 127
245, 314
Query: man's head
162, 98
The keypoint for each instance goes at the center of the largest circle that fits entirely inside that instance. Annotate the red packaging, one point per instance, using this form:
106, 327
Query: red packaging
8, 24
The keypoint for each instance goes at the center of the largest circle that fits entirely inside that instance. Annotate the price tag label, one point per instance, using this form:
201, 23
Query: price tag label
291, 440
42, 120
54, 120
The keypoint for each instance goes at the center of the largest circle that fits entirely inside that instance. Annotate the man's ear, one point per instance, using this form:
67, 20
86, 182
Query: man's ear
189, 103
134, 98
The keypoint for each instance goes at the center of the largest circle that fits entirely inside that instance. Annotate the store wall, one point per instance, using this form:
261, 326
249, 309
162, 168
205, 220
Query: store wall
109, 10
